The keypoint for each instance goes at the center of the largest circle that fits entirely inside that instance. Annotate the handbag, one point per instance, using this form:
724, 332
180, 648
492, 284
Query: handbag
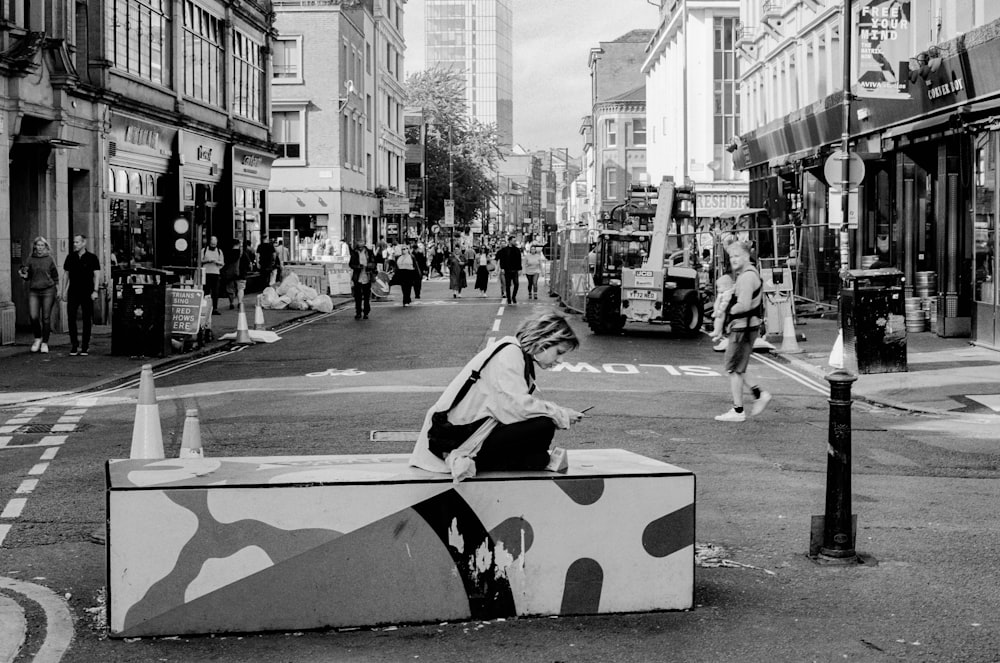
444, 436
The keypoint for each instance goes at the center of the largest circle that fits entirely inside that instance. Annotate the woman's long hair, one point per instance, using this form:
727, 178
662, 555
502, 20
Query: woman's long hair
542, 332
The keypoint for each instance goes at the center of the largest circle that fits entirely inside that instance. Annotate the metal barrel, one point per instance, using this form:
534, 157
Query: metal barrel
914, 317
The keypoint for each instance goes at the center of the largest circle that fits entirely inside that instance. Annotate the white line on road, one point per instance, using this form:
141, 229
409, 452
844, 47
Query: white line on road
68, 420
496, 325
500, 310
49, 453
5, 440
14, 508
4, 529
18, 421
38, 469
26, 486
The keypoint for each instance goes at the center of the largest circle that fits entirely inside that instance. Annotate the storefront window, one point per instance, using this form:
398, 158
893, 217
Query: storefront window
247, 214
133, 224
985, 236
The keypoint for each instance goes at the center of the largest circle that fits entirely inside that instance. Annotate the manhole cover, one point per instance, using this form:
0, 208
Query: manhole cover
48, 429
394, 435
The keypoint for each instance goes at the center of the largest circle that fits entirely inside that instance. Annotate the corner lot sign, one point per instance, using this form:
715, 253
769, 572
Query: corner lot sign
449, 213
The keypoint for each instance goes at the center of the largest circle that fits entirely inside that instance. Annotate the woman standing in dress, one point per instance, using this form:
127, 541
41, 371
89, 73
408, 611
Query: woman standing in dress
456, 273
482, 270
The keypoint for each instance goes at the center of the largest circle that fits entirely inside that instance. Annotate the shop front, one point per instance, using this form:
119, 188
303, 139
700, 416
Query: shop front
138, 190
251, 173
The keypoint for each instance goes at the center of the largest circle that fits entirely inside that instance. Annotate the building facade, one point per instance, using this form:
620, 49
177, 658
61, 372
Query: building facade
476, 37
616, 130
142, 124
692, 101
922, 119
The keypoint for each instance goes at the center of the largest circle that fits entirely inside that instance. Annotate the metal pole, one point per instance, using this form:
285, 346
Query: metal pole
845, 134
684, 85
838, 530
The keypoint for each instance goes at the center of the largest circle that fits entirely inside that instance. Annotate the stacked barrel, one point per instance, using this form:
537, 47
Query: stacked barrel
921, 311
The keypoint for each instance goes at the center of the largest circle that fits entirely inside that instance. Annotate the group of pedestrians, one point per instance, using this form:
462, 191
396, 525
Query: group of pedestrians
79, 289
229, 272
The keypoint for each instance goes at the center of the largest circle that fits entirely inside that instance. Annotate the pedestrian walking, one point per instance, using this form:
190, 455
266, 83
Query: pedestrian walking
83, 273
470, 260
532, 261
42, 277
744, 317
212, 262
509, 258
498, 420
456, 274
417, 251
266, 258
363, 272
407, 274
230, 273
483, 263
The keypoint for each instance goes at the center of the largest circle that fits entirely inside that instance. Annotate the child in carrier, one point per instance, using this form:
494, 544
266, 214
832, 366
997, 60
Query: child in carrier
725, 287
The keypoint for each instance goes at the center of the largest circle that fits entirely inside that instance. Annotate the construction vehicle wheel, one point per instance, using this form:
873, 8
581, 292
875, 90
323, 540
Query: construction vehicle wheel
687, 318
603, 316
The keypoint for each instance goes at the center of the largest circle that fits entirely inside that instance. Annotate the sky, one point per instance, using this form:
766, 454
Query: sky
552, 42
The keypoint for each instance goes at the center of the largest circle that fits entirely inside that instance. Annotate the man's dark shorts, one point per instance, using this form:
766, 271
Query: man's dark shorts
740, 348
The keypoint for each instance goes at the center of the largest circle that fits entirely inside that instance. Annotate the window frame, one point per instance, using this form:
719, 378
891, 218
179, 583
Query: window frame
297, 79
611, 132
291, 107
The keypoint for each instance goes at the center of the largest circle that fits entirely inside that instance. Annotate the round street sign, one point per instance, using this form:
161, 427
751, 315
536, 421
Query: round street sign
435, 228
833, 170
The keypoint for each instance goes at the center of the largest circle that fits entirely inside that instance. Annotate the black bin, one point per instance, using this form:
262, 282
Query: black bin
138, 307
872, 317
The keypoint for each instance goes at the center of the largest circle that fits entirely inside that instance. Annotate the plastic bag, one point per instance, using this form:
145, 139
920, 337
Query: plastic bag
308, 293
322, 303
269, 298
287, 283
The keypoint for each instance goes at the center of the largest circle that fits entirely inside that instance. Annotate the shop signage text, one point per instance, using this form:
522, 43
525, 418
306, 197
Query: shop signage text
951, 87
721, 201
204, 153
251, 160
139, 135
184, 311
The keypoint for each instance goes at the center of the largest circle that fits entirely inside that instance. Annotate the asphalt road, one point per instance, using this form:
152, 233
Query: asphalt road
925, 492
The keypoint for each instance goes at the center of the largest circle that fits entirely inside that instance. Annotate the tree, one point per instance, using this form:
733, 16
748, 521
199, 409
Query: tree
460, 153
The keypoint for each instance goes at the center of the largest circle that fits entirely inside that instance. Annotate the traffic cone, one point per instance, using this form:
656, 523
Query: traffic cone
191, 439
837, 353
242, 331
258, 316
789, 343
147, 437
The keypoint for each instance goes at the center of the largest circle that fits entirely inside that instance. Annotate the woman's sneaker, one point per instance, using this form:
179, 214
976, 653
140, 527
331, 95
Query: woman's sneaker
732, 415
36, 345
45, 349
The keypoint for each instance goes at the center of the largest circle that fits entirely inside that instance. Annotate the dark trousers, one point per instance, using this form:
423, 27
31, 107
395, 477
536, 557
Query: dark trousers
510, 284
520, 446
212, 288
407, 278
86, 305
362, 298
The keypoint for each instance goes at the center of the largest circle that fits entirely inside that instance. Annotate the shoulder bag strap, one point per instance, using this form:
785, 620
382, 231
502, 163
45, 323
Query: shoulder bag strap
474, 377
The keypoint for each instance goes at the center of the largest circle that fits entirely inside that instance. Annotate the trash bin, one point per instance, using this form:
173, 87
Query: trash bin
137, 312
873, 321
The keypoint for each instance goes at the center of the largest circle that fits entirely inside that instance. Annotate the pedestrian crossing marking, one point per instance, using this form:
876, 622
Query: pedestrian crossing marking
992, 401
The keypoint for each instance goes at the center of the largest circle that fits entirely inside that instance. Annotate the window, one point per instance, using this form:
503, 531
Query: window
286, 126
639, 132
287, 66
203, 51
726, 92
610, 182
248, 77
139, 38
368, 57
611, 132
368, 112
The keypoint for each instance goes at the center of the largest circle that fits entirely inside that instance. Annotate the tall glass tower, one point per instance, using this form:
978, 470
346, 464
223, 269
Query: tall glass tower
476, 37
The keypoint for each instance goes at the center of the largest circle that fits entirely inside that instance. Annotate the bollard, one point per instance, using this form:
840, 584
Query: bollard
838, 530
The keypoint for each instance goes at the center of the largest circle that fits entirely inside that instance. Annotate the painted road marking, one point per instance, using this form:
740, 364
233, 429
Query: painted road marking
992, 401
334, 372
38, 469
14, 507
75, 419
18, 421
4, 529
5, 440
13, 628
7, 429
50, 453
496, 325
63, 428
27, 486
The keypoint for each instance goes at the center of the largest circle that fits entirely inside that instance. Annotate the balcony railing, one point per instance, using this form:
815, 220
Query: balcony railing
745, 34
771, 9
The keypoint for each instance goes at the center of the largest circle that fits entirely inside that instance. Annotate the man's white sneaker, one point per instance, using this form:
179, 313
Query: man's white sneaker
36, 345
721, 345
732, 415
760, 403
45, 348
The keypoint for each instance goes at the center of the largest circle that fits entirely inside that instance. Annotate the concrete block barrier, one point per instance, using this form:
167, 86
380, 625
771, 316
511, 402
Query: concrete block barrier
219, 545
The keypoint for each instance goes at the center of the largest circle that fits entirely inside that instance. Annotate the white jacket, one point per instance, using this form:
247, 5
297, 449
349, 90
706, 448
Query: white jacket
501, 394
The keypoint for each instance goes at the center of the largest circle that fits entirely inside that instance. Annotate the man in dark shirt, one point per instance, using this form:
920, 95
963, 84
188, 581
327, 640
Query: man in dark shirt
83, 272
266, 260
509, 258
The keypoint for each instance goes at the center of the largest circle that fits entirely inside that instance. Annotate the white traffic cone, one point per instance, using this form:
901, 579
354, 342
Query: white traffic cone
191, 439
258, 316
147, 436
206, 312
789, 343
242, 331
837, 353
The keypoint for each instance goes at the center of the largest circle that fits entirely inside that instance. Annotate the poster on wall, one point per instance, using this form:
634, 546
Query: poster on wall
882, 34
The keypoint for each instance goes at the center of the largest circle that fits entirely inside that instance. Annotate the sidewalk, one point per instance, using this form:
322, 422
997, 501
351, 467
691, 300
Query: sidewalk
945, 375
27, 376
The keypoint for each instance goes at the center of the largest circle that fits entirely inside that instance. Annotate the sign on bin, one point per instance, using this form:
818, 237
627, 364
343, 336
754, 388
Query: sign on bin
183, 310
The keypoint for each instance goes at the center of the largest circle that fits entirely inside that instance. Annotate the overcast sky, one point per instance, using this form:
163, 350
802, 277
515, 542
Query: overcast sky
552, 41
